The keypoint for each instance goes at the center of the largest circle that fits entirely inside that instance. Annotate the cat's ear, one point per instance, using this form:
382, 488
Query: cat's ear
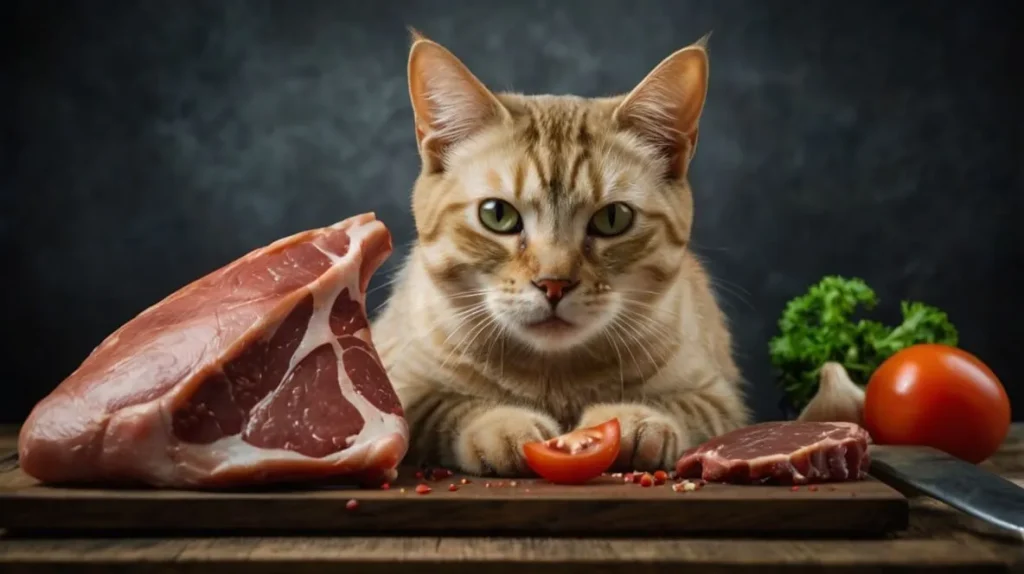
449, 103
665, 108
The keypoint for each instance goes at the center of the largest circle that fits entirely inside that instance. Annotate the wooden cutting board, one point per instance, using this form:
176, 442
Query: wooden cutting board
607, 505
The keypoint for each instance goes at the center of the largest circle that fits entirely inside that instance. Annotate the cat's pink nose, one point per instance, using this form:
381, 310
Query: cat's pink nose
555, 289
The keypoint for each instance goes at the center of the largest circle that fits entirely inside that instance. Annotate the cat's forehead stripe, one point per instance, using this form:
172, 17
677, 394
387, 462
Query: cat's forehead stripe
563, 138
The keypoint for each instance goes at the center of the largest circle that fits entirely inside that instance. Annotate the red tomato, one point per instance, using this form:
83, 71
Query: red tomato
937, 396
575, 457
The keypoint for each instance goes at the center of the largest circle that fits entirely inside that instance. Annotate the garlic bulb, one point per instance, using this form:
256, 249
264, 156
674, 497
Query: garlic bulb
838, 398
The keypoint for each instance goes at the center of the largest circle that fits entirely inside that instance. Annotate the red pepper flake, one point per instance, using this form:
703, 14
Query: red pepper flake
452, 487
646, 480
812, 488
352, 504
385, 486
440, 473
660, 477
422, 489
465, 481
795, 488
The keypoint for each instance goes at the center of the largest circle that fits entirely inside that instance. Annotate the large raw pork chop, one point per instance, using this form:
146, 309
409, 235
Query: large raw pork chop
261, 371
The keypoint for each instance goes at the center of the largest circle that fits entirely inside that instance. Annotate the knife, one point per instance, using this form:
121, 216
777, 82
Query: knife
958, 483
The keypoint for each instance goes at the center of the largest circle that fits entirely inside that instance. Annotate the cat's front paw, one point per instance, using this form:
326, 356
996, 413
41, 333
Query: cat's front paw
493, 442
651, 440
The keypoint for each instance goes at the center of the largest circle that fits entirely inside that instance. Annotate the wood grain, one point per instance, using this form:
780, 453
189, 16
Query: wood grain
604, 506
495, 555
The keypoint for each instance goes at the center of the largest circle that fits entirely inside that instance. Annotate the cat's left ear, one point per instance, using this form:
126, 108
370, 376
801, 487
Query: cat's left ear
665, 108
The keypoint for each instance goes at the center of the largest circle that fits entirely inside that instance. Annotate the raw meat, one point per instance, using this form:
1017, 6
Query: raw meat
781, 453
261, 371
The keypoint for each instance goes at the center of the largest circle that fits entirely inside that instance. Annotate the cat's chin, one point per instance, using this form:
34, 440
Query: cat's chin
553, 334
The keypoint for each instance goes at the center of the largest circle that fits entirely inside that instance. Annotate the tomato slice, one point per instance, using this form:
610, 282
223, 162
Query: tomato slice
575, 457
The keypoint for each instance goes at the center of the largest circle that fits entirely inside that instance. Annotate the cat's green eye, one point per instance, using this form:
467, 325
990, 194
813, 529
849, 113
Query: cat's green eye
611, 220
500, 217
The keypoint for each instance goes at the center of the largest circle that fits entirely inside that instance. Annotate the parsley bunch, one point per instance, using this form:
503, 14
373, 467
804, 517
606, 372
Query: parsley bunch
819, 327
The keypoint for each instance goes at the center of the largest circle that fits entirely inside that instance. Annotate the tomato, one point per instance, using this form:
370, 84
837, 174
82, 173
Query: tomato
575, 457
938, 396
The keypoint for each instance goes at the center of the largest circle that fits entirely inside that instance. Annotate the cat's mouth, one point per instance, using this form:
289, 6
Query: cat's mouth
550, 325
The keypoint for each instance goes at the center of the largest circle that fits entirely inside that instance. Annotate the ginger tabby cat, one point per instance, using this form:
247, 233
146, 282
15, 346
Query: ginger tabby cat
550, 286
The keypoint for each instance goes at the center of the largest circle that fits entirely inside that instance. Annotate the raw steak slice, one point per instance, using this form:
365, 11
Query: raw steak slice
261, 371
781, 453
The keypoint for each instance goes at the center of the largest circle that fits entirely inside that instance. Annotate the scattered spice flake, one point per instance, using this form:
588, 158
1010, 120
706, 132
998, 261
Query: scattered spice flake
795, 488
352, 504
685, 486
465, 481
419, 475
812, 488
422, 489
440, 473
402, 490
513, 484
452, 487
500, 484
526, 490
660, 477
628, 477
385, 486
646, 480
487, 485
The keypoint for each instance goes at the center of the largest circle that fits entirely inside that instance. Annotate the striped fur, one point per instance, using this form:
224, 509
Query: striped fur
648, 342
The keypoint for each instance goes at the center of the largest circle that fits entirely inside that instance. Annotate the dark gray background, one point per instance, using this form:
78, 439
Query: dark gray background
148, 143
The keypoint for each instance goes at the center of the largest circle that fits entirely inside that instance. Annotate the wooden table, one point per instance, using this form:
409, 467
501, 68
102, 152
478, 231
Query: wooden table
938, 540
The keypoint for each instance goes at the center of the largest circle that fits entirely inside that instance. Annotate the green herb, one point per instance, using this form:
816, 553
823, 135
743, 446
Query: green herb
819, 326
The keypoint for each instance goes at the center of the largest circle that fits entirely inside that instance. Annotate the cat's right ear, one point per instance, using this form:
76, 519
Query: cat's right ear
449, 103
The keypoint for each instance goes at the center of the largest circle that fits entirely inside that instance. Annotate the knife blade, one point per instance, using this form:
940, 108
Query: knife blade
958, 483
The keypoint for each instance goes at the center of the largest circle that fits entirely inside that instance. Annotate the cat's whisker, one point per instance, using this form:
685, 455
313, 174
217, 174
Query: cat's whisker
463, 319
462, 322
622, 375
718, 284
648, 323
632, 331
616, 328
491, 320
492, 337
654, 310
382, 285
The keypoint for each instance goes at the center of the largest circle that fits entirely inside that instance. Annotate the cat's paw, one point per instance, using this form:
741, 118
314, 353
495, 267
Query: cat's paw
651, 440
492, 444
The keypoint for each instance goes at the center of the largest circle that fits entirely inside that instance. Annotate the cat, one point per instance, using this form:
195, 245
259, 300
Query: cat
550, 285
